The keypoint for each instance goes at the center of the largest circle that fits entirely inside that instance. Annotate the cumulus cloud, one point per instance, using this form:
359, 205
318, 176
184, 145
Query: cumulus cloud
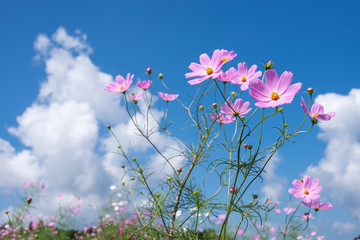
339, 169
273, 186
60, 129
343, 228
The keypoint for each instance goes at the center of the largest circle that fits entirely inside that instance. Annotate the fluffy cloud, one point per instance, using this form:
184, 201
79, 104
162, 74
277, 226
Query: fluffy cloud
342, 228
339, 169
60, 130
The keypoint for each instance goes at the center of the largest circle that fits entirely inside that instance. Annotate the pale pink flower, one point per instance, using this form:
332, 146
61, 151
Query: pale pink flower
240, 232
277, 211
317, 111
276, 91
121, 85
289, 210
238, 108
168, 97
313, 233
137, 98
305, 189
60, 195
272, 230
228, 76
222, 118
227, 56
245, 76
306, 216
316, 205
208, 68
144, 84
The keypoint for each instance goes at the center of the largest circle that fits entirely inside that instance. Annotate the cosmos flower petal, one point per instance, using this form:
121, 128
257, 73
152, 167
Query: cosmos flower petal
259, 91
284, 82
205, 60
317, 109
272, 80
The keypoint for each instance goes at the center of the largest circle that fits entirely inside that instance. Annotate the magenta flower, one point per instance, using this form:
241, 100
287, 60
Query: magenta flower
276, 91
227, 56
305, 189
222, 118
209, 68
233, 189
137, 98
144, 84
289, 210
317, 111
316, 205
237, 109
121, 85
245, 76
168, 97
228, 76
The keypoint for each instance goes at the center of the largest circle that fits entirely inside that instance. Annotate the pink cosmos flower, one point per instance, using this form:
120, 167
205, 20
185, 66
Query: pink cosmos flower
232, 189
276, 91
238, 108
277, 211
228, 76
121, 85
227, 56
289, 210
209, 68
134, 98
306, 216
144, 84
305, 189
317, 111
240, 232
245, 76
316, 205
222, 118
168, 97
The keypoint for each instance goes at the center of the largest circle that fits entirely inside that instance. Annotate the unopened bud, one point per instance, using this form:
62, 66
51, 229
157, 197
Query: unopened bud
123, 166
206, 129
285, 124
108, 127
310, 90
160, 76
201, 107
179, 170
314, 121
133, 178
119, 146
233, 94
250, 147
245, 145
251, 202
196, 192
36, 236
255, 196
157, 195
29, 200
123, 183
214, 105
280, 110
148, 71
134, 159
242, 118
169, 178
268, 65
6, 212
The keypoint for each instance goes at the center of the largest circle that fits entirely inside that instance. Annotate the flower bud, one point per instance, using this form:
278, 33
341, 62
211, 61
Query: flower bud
169, 178
29, 200
133, 178
123, 183
251, 202
36, 236
157, 195
233, 94
285, 124
6, 212
314, 120
310, 90
196, 192
134, 159
242, 118
233, 189
123, 166
148, 71
268, 65
280, 110
160, 76
119, 146
207, 129
214, 105
250, 147
255, 196
245, 145
108, 127
201, 107
179, 170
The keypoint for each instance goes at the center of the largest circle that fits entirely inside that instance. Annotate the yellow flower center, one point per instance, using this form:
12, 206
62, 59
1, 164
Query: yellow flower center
224, 59
243, 79
315, 115
301, 180
209, 71
306, 191
122, 88
275, 96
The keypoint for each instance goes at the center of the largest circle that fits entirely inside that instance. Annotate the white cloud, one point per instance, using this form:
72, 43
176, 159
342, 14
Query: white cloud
339, 169
343, 228
60, 129
273, 186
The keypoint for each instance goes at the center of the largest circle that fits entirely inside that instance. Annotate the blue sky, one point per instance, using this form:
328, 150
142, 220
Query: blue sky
317, 41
